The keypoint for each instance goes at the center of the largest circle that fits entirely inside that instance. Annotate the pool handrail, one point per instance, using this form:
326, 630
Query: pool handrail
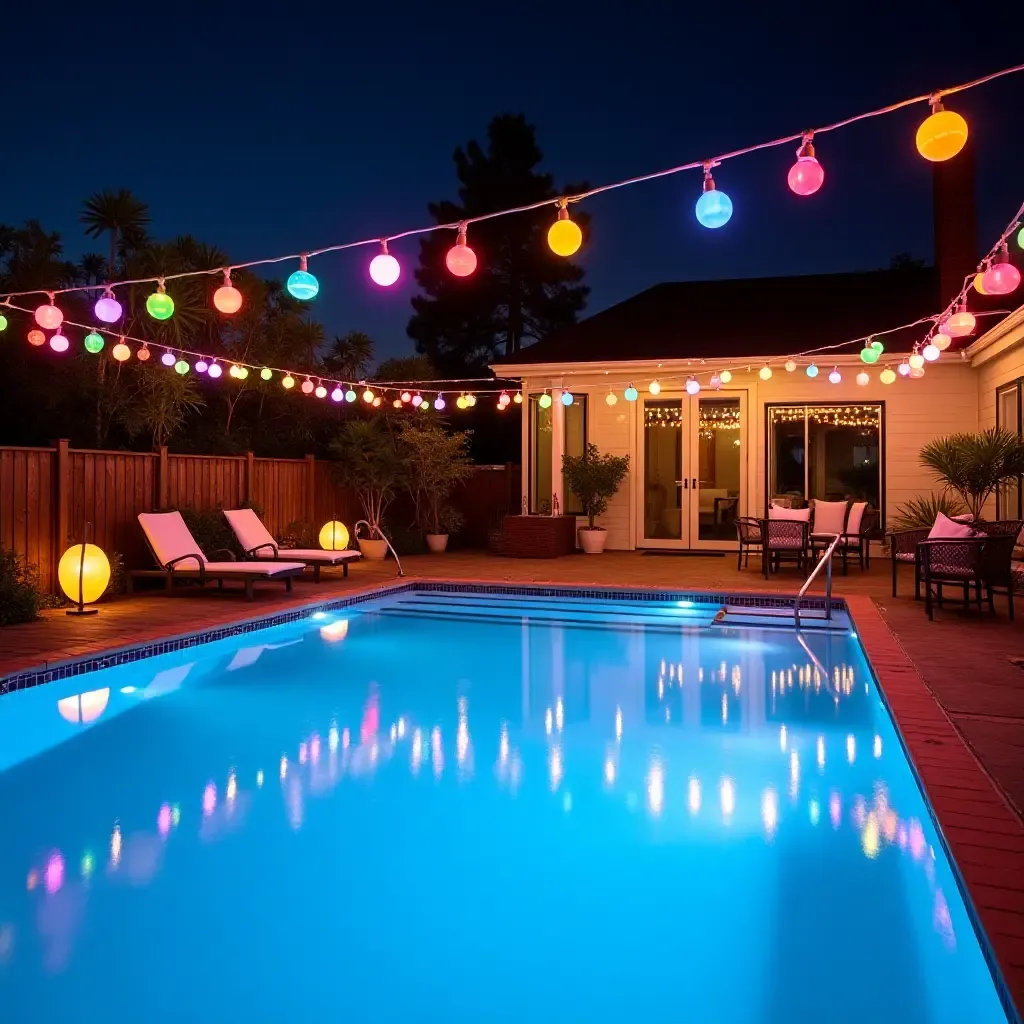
827, 559
383, 537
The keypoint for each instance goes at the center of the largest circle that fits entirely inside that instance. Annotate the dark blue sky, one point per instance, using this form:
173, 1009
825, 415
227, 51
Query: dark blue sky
270, 129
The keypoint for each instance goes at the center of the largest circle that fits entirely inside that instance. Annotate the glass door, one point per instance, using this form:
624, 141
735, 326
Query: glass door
662, 502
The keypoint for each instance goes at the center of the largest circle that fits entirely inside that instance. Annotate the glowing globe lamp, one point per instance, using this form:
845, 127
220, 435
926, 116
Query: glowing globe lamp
942, 341
877, 346
765, 373
384, 268
979, 283
631, 394
307, 387
503, 399
916, 361
227, 298
417, 400
941, 135
83, 573
49, 317
869, 354
1001, 279
424, 406
930, 352
160, 305
806, 175
692, 386
397, 403
887, 376
337, 395
544, 401
916, 372
460, 402
716, 382
334, 536
321, 391
93, 342
265, 373
406, 396
567, 398
610, 398
904, 369
59, 343
835, 376
471, 401
288, 382
564, 236
36, 338
368, 396
1020, 238
215, 370
168, 359
460, 259
863, 379
232, 370
725, 376
812, 370
121, 352
243, 372
960, 324
377, 402
181, 367
518, 399
439, 402
107, 308
3, 322
790, 365
143, 354
302, 284
202, 366
714, 208
350, 395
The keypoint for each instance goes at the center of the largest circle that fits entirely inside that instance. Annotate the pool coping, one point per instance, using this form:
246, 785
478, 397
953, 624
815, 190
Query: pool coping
981, 833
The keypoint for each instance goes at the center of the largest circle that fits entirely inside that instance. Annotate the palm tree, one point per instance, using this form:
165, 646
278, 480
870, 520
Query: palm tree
349, 356
120, 213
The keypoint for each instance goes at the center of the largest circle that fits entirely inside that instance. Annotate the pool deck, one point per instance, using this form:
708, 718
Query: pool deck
954, 685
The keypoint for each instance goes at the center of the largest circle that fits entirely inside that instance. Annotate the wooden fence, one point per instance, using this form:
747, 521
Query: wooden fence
47, 495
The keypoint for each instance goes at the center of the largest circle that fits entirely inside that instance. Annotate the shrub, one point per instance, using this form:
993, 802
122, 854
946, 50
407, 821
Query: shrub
20, 598
212, 531
922, 511
594, 478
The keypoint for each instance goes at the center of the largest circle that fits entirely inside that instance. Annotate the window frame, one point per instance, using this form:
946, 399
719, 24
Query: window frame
1017, 386
531, 452
768, 445
583, 397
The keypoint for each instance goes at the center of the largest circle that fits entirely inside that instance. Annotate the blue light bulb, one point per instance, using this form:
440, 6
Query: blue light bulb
631, 393
812, 370
303, 285
714, 208
567, 398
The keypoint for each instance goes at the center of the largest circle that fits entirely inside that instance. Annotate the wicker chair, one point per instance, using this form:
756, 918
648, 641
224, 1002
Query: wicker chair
903, 546
748, 533
997, 571
784, 539
972, 563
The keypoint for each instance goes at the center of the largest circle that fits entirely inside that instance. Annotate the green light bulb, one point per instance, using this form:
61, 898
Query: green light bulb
265, 373
93, 342
160, 306
181, 367
877, 345
3, 322
544, 401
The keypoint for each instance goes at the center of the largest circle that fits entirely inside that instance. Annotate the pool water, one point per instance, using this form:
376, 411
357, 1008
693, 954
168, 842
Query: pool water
465, 807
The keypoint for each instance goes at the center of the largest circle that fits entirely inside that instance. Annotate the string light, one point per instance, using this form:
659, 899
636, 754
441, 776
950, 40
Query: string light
439, 402
518, 399
59, 343
307, 387
181, 367
471, 400
121, 352
564, 236
654, 388
202, 366
916, 360
835, 376
887, 376
168, 358
941, 341
765, 373
930, 352
960, 324
288, 382
631, 394
215, 370
544, 401
806, 175
160, 305
812, 370
942, 134
725, 376
321, 392
692, 386
868, 354
3, 322
143, 354
1002, 277
376, 402
460, 259
384, 268
265, 373
350, 396
48, 316
460, 402
301, 283
503, 400
93, 342
714, 208
397, 404
610, 398
107, 308
790, 365
368, 396
227, 298
337, 395
405, 397
716, 381
904, 369
567, 398
863, 379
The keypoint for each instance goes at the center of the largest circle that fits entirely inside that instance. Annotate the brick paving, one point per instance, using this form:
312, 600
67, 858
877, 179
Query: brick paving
956, 693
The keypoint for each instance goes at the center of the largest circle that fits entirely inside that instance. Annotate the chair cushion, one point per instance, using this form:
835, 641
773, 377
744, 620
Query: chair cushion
829, 516
905, 556
856, 516
799, 515
319, 555
945, 529
787, 543
249, 568
248, 528
170, 538
939, 569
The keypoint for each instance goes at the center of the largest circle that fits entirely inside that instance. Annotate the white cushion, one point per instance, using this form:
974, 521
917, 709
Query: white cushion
249, 530
856, 516
170, 538
319, 555
946, 529
799, 515
829, 516
248, 568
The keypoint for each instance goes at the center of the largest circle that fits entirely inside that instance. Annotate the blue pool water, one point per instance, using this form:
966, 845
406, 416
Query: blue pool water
461, 807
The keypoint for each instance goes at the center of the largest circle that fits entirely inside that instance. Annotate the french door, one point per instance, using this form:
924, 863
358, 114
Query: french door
693, 479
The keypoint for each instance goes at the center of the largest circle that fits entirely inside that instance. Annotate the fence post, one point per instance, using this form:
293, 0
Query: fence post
161, 478
62, 489
310, 509
250, 471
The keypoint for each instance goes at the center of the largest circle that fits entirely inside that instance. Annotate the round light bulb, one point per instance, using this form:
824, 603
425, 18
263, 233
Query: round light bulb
439, 402
904, 369
887, 376
93, 342
692, 386
654, 388
1001, 279
201, 366
49, 317
321, 391
610, 398
567, 398
384, 268
460, 259
143, 354
424, 405
916, 372
396, 404
307, 387
36, 338
406, 397
941, 135
337, 395
835, 376
564, 236
122, 352
460, 402
470, 401
59, 343
714, 208
181, 367
215, 370
930, 352
979, 283
160, 305
168, 359
417, 400
350, 395
869, 355
302, 284
725, 376
812, 370
790, 365
107, 308
863, 379
3, 322
942, 341
227, 298
631, 394
368, 396
265, 373
544, 401
716, 382
960, 324
518, 398
376, 402
765, 373
916, 361
806, 176
288, 382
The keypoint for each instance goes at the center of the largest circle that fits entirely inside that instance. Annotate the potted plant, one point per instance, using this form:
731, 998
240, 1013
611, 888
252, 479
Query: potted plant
369, 462
436, 463
974, 465
594, 478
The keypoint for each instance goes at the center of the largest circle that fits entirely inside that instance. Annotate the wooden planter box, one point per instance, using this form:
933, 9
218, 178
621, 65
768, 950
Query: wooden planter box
538, 536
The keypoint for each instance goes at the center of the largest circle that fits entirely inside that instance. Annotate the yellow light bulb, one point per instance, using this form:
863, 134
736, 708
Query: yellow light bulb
654, 388
941, 135
94, 572
765, 373
334, 536
725, 376
564, 236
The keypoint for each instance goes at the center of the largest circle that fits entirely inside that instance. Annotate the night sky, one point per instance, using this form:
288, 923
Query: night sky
268, 133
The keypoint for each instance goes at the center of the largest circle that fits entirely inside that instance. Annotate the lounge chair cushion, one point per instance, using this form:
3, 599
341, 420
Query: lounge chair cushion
250, 568
170, 538
253, 535
319, 555
945, 529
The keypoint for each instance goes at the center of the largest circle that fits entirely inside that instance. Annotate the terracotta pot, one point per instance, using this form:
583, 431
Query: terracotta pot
437, 542
373, 550
592, 541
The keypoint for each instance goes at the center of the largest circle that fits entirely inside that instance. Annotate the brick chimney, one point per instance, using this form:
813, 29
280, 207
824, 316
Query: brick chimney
954, 221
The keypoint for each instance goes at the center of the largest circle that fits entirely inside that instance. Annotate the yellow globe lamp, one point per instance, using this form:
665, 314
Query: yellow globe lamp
83, 573
564, 236
941, 135
979, 284
334, 536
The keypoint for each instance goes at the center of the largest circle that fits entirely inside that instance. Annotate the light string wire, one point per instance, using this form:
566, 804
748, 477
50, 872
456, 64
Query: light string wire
528, 207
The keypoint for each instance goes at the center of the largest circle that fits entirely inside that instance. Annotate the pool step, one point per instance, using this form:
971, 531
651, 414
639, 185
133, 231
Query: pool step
781, 618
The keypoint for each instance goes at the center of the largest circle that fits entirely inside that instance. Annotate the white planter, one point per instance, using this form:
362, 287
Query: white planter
373, 550
592, 541
437, 542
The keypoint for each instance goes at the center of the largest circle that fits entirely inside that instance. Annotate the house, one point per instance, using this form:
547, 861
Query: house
735, 397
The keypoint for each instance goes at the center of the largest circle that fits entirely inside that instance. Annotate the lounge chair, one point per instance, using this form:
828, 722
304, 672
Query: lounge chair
257, 542
180, 558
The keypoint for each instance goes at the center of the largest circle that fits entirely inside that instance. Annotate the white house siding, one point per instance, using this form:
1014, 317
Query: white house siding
946, 399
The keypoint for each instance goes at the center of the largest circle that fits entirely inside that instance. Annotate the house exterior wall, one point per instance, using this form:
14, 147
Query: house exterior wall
946, 399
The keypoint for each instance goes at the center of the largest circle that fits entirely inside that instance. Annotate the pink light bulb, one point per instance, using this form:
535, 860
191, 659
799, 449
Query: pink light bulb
209, 799
168, 359
440, 402
107, 308
384, 268
54, 875
406, 397
202, 366
1001, 279
59, 343
49, 317
163, 820
307, 387
460, 259
215, 370
417, 400
337, 395
806, 175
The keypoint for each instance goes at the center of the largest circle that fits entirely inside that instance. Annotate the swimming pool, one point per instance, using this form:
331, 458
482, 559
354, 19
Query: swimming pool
455, 806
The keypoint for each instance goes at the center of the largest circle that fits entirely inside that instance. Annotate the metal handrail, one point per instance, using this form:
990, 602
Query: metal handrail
383, 537
826, 558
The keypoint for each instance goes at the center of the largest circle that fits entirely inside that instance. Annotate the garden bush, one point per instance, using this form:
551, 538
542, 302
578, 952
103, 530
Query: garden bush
20, 598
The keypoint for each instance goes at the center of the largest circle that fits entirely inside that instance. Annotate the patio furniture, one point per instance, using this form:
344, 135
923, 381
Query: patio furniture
180, 558
257, 543
903, 551
855, 532
748, 533
784, 539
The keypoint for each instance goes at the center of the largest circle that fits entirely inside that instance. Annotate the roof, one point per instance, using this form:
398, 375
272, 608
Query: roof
747, 317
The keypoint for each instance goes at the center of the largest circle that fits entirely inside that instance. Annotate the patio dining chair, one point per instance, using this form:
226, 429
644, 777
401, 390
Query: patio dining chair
181, 558
257, 543
784, 540
748, 533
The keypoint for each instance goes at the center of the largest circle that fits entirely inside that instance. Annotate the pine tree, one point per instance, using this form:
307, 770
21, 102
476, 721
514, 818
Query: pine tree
520, 290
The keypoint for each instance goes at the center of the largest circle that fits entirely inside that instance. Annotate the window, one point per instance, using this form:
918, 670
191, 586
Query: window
1008, 415
541, 450
829, 452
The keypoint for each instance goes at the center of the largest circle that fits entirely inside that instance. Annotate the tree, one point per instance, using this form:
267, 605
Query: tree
405, 369
349, 356
436, 463
369, 462
520, 290
119, 214
594, 478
